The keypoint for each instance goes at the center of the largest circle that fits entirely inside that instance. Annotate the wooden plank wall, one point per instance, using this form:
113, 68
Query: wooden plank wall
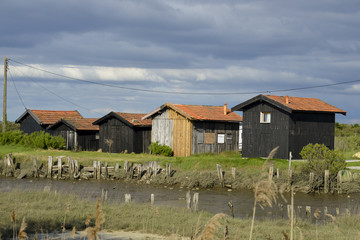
313, 128
29, 125
260, 138
121, 135
182, 138
230, 131
162, 129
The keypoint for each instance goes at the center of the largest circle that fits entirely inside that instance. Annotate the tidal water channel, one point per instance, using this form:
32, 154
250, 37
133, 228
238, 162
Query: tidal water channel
212, 200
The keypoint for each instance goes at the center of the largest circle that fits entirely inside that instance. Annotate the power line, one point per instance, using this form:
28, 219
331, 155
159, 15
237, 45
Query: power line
64, 99
21, 100
186, 93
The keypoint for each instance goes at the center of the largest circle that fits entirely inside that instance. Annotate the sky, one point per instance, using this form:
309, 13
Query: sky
133, 56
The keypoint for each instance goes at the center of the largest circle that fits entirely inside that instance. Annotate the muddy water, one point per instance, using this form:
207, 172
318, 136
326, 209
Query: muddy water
214, 200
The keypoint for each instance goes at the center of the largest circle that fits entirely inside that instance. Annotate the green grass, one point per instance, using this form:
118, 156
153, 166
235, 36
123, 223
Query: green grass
45, 212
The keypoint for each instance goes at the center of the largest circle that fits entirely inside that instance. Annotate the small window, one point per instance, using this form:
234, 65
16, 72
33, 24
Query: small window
97, 136
209, 138
221, 138
265, 117
229, 138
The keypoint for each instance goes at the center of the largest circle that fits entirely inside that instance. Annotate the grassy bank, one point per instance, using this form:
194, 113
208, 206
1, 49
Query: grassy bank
46, 212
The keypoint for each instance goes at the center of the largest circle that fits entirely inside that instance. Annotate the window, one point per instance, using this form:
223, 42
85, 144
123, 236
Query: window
221, 138
209, 138
265, 117
229, 138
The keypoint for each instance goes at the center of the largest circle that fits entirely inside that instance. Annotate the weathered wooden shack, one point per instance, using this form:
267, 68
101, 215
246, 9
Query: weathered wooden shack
120, 132
288, 122
79, 133
191, 129
39, 120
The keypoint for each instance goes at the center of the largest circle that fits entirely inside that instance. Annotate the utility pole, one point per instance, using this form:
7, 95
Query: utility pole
4, 118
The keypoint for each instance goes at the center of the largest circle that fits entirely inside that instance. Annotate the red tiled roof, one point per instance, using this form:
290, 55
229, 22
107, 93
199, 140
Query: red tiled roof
83, 123
135, 118
306, 104
203, 112
51, 117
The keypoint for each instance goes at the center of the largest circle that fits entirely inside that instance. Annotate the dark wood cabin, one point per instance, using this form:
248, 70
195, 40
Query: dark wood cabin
124, 132
288, 122
191, 129
39, 120
80, 134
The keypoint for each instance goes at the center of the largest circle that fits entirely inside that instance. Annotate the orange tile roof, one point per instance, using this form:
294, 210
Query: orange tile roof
135, 118
305, 104
203, 112
83, 123
51, 117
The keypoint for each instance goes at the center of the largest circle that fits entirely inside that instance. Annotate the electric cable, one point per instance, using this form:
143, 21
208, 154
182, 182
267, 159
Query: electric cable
186, 93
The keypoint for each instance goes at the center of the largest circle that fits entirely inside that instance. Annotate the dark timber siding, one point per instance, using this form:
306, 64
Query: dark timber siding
86, 140
124, 137
313, 128
229, 130
29, 125
260, 138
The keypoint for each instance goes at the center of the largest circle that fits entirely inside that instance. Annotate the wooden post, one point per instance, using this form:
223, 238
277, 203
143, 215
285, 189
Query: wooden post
139, 171
168, 169
326, 181
290, 158
288, 211
98, 174
195, 202
277, 173
127, 197
36, 170
126, 166
106, 173
231, 206
117, 166
233, 173
152, 199
311, 178
339, 182
50, 164
155, 168
308, 211
292, 214
271, 172
59, 167
104, 195
76, 169
4, 117
188, 200
220, 174
71, 167
337, 210
95, 169
11, 161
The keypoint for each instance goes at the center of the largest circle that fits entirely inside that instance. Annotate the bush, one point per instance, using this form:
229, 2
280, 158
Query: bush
320, 158
35, 140
158, 149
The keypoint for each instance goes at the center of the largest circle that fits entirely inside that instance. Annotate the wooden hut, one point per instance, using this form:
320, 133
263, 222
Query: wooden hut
39, 120
190, 129
288, 122
79, 133
124, 132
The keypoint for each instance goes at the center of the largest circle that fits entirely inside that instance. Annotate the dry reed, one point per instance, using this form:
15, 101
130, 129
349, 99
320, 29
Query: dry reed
22, 234
210, 228
92, 232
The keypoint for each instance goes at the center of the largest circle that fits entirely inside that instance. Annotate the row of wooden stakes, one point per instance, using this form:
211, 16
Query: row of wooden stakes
71, 168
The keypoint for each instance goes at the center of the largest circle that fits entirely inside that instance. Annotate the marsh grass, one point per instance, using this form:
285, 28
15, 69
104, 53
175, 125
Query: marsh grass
44, 212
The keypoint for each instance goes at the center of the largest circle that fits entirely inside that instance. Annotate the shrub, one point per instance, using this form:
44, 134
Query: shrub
156, 148
320, 158
35, 140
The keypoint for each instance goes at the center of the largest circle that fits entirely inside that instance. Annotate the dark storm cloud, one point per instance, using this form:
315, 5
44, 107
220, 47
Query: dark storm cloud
186, 46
